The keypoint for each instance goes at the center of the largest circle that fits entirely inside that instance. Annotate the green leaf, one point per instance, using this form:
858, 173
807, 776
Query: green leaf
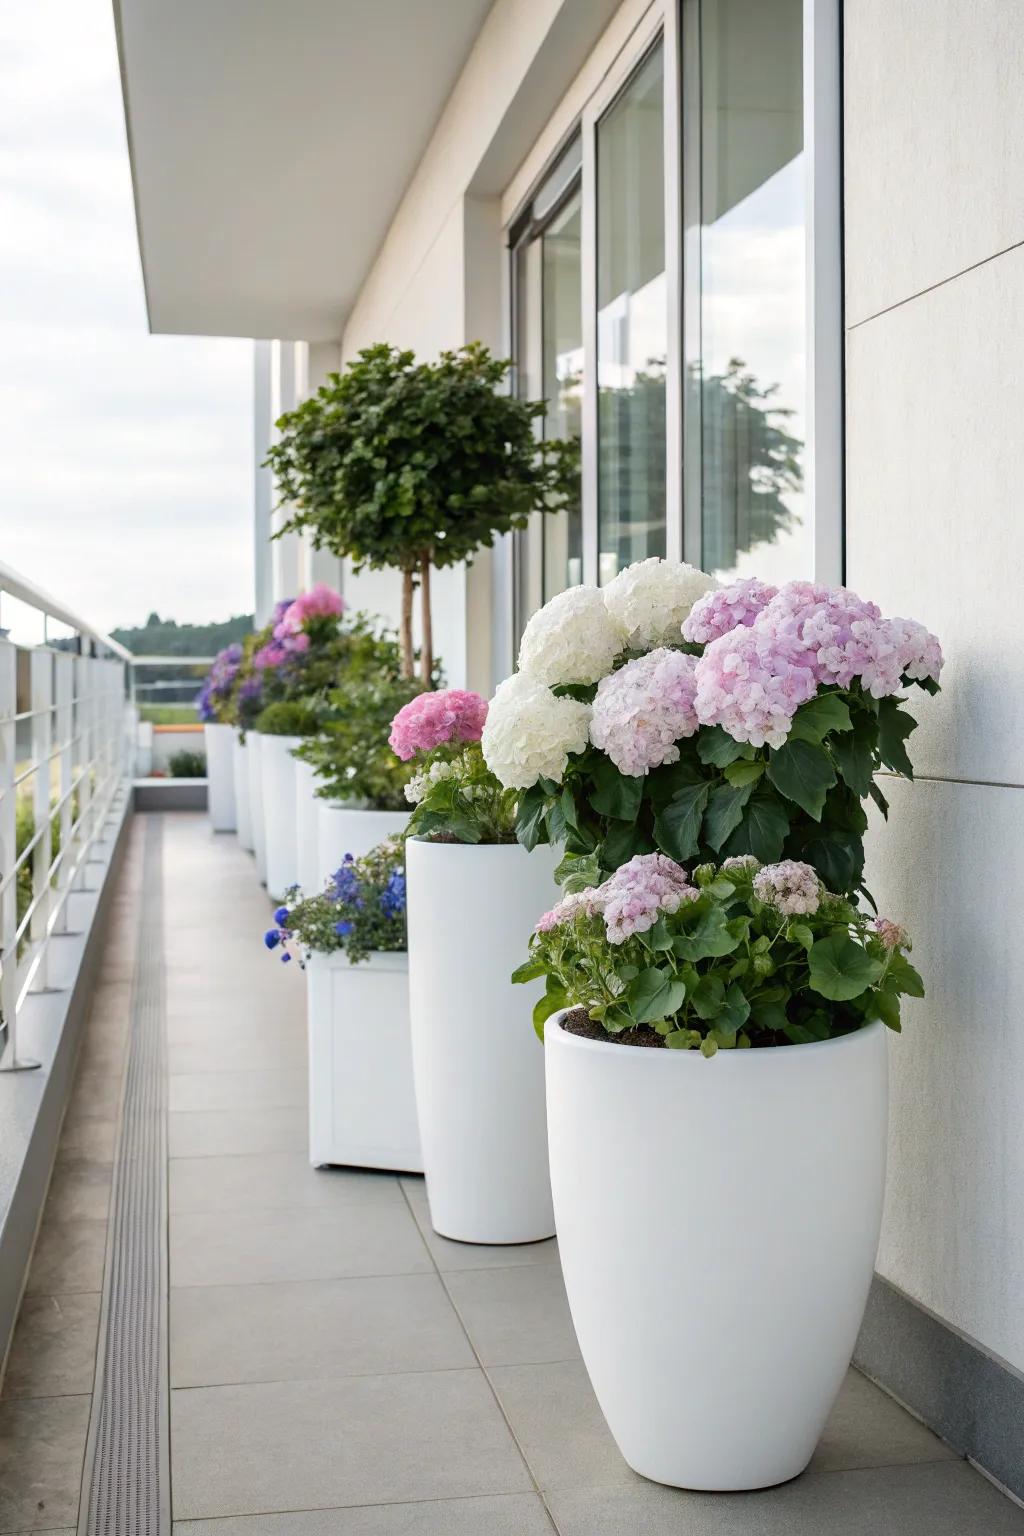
742, 773
876, 794
887, 1006
800, 933
708, 1047
814, 720
894, 726
552, 1002
655, 994
769, 1016
735, 1013
717, 748
725, 811
615, 794
529, 970
838, 858
763, 829
568, 809
530, 816
622, 842
900, 976
855, 756
803, 774
682, 1039
676, 828
578, 872
841, 969
658, 937
711, 936
708, 997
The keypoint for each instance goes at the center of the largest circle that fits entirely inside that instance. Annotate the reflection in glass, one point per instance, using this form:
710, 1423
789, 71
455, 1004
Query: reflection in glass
563, 383
631, 322
753, 339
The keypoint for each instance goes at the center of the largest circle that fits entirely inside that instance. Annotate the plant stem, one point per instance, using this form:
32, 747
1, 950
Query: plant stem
405, 632
427, 651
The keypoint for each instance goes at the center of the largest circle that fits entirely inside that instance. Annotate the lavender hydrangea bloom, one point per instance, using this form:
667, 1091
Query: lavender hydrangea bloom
638, 892
641, 711
719, 612
751, 684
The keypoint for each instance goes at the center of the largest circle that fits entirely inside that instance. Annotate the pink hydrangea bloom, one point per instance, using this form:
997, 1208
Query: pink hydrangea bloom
641, 711
637, 893
589, 903
320, 602
847, 638
751, 684
270, 655
919, 651
792, 888
893, 935
719, 612
433, 719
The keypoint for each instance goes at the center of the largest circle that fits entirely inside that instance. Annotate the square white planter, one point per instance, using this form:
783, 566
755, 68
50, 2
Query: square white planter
362, 1104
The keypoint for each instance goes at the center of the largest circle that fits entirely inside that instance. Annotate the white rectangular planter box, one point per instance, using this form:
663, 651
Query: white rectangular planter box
362, 1105
220, 775
243, 815
280, 831
307, 808
253, 745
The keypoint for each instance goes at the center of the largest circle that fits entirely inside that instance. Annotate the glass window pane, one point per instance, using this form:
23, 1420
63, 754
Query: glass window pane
631, 322
529, 379
563, 383
753, 341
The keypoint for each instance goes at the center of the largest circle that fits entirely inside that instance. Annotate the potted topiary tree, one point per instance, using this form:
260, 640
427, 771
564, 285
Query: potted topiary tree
409, 465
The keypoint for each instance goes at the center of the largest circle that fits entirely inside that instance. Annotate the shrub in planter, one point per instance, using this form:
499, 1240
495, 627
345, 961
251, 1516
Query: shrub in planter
661, 714
474, 894
351, 939
187, 765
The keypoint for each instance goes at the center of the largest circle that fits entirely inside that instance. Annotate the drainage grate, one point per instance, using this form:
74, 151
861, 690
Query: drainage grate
126, 1483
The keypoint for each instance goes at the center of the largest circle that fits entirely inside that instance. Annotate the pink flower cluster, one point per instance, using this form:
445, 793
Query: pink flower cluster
637, 893
792, 888
642, 710
751, 684
270, 655
435, 719
847, 638
893, 935
727, 609
589, 903
291, 628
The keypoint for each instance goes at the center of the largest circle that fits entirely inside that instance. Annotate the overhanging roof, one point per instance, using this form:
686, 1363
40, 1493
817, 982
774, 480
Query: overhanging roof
271, 142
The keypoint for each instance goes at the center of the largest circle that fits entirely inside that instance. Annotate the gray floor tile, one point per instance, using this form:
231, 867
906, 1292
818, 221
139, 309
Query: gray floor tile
215, 1132
54, 1348
868, 1429
97, 1094
240, 1248
314, 1329
363, 1440
91, 1136
68, 1257
944, 1498
509, 1514
449, 1255
80, 1187
273, 1180
562, 1432
515, 1316
237, 1090
239, 1051
42, 1444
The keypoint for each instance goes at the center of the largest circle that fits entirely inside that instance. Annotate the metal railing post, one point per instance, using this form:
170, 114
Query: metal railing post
41, 696
64, 716
9, 1058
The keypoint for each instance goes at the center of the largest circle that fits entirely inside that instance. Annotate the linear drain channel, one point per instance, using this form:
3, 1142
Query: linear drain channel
126, 1477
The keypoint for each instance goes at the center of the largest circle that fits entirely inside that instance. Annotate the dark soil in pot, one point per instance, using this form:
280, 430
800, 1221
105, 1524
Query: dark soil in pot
578, 1022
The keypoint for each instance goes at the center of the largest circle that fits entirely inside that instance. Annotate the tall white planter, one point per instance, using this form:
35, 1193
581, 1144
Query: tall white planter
307, 813
479, 1066
243, 813
362, 1108
717, 1223
341, 830
220, 775
254, 752
279, 824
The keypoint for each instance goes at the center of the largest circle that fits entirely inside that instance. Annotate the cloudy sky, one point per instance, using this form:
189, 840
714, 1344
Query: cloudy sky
125, 458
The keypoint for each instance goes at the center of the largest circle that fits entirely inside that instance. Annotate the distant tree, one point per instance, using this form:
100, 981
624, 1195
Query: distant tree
164, 637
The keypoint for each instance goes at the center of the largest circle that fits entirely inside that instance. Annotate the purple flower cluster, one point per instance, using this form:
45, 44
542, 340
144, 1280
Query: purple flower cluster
642, 710
729, 608
219, 682
847, 639
292, 625
630, 901
436, 719
751, 684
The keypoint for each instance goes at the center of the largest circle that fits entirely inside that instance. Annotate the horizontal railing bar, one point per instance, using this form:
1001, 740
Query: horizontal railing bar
36, 597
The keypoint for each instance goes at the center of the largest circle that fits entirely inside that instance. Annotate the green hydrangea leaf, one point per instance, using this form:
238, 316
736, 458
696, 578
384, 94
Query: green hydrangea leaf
763, 829
615, 794
718, 749
803, 773
655, 994
677, 826
710, 937
725, 811
840, 969
894, 726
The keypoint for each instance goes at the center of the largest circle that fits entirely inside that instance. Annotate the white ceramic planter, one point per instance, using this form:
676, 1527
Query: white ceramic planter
220, 775
307, 812
362, 1108
342, 829
279, 825
243, 815
717, 1223
254, 752
479, 1066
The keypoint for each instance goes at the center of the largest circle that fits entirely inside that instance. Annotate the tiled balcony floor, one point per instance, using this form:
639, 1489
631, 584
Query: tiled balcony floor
336, 1369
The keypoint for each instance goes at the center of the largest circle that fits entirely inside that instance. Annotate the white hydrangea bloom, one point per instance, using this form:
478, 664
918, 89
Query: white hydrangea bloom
572, 639
649, 600
529, 732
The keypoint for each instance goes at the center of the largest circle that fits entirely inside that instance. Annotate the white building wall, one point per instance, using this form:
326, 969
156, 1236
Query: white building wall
935, 400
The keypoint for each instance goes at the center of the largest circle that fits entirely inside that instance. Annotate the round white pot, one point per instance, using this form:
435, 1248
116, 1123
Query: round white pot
717, 1223
479, 1067
243, 815
343, 829
279, 823
362, 1108
307, 813
254, 752
220, 775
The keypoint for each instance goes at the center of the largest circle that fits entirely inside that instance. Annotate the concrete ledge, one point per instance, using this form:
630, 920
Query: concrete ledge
32, 1104
170, 794
974, 1400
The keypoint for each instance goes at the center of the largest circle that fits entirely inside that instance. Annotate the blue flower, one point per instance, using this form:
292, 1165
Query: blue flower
281, 917
272, 938
392, 900
343, 929
285, 958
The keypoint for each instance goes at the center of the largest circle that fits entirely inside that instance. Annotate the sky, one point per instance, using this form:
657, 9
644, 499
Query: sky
125, 458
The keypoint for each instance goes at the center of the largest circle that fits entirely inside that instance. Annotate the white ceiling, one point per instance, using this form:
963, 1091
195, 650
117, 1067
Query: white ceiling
271, 142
